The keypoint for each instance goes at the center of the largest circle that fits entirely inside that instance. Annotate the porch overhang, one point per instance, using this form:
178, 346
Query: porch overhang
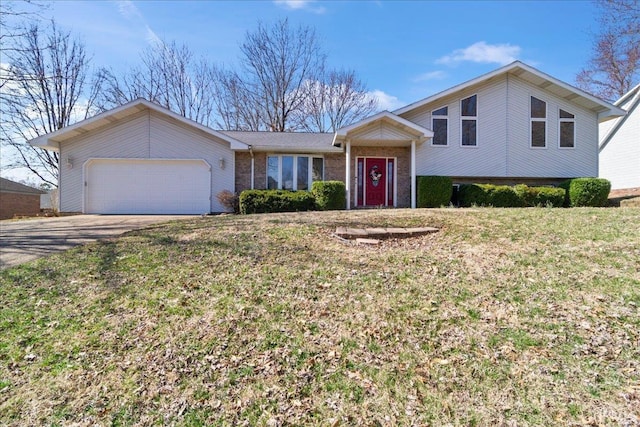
384, 129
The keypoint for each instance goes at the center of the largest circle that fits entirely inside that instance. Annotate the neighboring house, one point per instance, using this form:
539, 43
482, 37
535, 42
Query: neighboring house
18, 199
620, 144
515, 124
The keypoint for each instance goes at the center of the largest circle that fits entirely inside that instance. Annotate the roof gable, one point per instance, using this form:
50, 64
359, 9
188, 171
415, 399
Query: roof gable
380, 121
629, 101
51, 141
534, 77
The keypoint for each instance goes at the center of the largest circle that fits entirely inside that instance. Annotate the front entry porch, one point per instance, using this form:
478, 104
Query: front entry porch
381, 160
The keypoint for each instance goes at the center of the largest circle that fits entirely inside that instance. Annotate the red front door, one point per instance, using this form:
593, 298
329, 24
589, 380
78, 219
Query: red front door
375, 181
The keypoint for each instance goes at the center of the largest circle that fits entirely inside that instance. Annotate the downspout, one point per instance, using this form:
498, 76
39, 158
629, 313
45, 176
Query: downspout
252, 165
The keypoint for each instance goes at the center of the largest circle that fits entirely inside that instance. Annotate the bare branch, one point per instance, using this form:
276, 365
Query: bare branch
614, 67
43, 89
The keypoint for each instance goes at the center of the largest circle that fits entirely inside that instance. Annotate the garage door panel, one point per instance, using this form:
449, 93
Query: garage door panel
148, 186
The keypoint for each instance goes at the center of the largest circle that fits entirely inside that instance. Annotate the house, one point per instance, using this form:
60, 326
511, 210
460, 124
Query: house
620, 145
515, 124
18, 199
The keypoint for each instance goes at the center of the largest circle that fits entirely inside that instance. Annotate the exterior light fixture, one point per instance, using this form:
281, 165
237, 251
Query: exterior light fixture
221, 162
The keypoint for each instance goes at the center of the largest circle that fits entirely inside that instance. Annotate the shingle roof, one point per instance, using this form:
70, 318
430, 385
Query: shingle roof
300, 142
8, 186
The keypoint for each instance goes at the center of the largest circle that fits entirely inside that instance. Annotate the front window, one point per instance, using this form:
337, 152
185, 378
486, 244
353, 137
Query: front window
567, 129
469, 121
538, 114
293, 172
287, 173
440, 124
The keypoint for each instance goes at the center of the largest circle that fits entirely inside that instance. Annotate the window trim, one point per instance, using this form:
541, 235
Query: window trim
279, 156
474, 118
566, 120
538, 119
441, 117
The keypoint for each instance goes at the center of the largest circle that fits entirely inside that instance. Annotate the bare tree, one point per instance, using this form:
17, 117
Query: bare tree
234, 107
170, 76
46, 86
614, 67
278, 61
340, 98
283, 85
12, 17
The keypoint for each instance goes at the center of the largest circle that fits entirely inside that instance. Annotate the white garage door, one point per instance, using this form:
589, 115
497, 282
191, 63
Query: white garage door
141, 186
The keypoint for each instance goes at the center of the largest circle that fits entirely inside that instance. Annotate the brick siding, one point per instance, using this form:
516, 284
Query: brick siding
12, 204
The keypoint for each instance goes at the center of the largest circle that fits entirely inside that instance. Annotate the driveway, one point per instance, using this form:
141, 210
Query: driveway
26, 240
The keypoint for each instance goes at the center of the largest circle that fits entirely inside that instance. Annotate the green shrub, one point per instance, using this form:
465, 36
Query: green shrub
264, 201
540, 196
329, 195
471, 194
433, 191
592, 192
499, 196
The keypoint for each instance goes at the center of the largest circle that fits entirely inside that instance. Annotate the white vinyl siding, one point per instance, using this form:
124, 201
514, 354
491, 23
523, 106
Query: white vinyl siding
488, 159
620, 157
146, 135
504, 148
552, 162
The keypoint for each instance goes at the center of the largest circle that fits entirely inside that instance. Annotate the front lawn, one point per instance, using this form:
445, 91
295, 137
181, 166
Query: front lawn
504, 317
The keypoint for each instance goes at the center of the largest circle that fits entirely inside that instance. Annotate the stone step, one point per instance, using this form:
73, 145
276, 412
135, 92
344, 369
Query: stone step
382, 233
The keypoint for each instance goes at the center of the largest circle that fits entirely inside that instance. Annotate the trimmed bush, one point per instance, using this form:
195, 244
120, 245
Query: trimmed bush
266, 201
592, 192
540, 196
499, 196
329, 195
433, 191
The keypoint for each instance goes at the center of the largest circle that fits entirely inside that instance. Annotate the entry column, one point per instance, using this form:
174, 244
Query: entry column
413, 174
347, 180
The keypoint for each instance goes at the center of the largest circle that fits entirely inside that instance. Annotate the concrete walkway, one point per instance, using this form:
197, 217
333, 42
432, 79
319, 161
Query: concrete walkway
29, 239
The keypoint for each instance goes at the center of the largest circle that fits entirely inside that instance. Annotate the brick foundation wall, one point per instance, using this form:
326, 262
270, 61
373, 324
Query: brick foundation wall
12, 204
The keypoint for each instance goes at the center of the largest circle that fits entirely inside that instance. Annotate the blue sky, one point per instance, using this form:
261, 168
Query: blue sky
403, 50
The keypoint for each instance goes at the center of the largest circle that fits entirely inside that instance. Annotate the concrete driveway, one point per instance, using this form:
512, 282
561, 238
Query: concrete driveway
26, 240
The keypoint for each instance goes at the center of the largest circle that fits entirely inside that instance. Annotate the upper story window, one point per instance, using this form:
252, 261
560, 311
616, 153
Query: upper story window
538, 123
293, 172
567, 129
440, 125
469, 121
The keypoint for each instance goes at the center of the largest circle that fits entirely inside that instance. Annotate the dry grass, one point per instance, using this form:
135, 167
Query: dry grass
505, 317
